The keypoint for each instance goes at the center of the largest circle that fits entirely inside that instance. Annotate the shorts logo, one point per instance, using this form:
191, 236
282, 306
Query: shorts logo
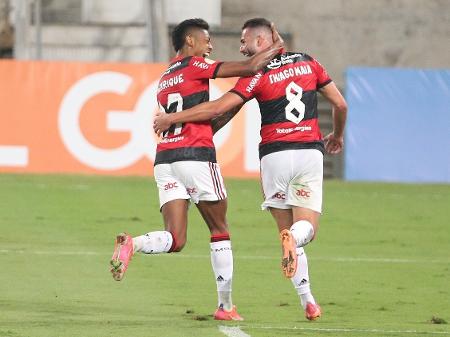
303, 193
279, 195
169, 186
191, 190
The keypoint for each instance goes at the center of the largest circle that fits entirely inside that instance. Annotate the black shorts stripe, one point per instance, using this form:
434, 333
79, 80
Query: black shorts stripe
185, 154
265, 149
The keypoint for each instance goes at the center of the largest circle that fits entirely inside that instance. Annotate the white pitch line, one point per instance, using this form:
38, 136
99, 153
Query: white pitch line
237, 257
232, 331
342, 330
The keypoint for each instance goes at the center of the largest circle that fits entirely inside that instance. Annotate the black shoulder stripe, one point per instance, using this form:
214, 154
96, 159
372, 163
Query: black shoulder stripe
245, 99
217, 69
321, 85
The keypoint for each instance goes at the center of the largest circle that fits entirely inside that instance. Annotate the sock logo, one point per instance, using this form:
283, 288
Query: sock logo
302, 282
220, 249
220, 279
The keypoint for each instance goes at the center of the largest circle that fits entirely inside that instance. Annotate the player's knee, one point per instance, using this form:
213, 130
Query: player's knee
178, 247
178, 242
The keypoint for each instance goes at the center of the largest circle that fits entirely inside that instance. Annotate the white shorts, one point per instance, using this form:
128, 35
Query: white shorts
194, 180
292, 178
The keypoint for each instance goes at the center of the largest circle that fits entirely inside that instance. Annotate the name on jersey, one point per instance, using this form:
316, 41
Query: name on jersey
201, 65
253, 82
297, 128
290, 72
170, 82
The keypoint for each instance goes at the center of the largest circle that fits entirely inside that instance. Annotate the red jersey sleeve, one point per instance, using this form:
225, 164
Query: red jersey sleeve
201, 68
322, 76
247, 87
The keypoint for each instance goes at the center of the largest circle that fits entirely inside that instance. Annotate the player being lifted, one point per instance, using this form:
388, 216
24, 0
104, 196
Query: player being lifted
185, 164
291, 148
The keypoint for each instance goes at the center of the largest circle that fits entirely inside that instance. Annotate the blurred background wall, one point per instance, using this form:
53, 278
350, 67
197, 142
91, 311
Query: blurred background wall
339, 33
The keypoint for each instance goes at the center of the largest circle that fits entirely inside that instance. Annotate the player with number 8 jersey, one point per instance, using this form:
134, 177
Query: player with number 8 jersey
286, 91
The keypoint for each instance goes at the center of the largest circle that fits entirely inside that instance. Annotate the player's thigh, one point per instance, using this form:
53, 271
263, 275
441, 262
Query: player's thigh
214, 214
175, 216
305, 186
276, 174
170, 184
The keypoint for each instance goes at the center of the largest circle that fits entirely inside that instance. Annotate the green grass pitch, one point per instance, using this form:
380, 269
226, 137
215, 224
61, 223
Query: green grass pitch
379, 267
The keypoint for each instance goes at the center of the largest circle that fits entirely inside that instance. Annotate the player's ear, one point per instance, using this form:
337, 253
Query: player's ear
189, 40
259, 40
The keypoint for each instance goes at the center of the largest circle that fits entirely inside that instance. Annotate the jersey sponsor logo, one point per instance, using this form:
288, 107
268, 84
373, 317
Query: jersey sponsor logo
297, 128
170, 186
173, 66
171, 140
287, 73
277, 63
201, 65
303, 193
253, 82
170, 82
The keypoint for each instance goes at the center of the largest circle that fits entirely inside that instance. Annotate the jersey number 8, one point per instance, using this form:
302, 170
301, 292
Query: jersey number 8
294, 95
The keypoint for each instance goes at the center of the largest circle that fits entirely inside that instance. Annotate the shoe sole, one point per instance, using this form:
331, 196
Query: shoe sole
117, 265
289, 259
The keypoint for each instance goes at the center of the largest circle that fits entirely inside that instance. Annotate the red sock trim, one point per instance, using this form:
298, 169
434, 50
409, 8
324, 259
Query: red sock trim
220, 237
174, 243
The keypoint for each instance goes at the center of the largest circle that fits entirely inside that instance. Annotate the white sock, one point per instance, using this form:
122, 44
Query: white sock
303, 232
222, 264
301, 279
153, 242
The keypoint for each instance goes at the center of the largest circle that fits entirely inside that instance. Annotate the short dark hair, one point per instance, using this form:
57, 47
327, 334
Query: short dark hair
256, 22
181, 30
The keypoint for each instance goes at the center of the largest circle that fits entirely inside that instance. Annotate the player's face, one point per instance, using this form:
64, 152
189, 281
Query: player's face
249, 42
201, 43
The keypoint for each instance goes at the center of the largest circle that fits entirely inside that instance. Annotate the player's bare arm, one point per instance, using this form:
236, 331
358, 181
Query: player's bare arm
255, 63
219, 122
202, 112
334, 142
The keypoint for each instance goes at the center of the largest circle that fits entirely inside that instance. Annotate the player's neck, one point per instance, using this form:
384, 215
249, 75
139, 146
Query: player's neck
185, 52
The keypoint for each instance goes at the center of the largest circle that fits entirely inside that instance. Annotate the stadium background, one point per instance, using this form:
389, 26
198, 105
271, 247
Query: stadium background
380, 266
341, 34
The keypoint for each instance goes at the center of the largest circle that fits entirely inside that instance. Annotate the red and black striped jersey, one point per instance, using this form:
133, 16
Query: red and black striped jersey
183, 85
286, 91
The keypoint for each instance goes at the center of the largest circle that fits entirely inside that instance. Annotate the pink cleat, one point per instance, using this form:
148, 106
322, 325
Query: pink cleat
289, 259
123, 251
312, 311
222, 315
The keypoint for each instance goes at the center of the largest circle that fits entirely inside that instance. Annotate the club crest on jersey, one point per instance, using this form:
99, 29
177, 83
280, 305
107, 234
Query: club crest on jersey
275, 63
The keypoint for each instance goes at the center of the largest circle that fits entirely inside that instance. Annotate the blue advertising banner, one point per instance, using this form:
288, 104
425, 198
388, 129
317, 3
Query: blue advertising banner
398, 127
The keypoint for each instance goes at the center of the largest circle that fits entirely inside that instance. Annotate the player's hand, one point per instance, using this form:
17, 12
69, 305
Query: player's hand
276, 37
161, 123
333, 144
